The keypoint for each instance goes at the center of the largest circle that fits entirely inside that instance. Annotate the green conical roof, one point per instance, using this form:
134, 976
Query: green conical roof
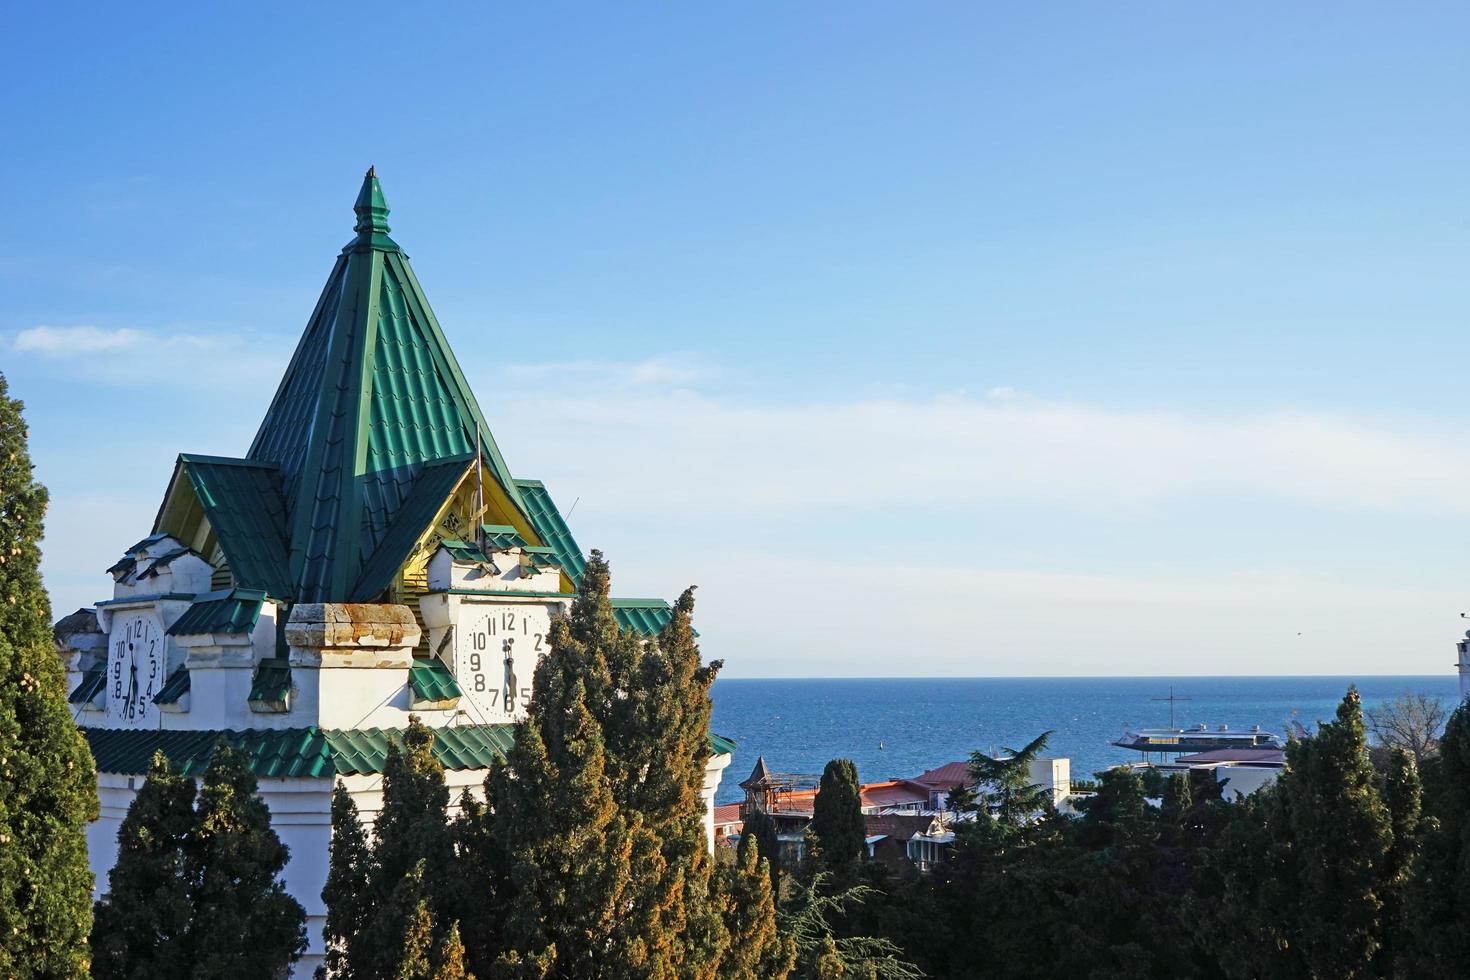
373, 395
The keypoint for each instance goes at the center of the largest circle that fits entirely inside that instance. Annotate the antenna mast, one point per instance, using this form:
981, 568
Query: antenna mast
1171, 699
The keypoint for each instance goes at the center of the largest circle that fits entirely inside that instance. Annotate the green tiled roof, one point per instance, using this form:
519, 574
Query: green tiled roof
92, 683
552, 529
305, 752
647, 617
225, 611
174, 688
418, 510
272, 680
431, 680
464, 551
499, 537
373, 395
293, 752
242, 501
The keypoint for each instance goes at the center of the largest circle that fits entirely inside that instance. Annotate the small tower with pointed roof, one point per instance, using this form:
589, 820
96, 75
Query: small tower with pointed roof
369, 557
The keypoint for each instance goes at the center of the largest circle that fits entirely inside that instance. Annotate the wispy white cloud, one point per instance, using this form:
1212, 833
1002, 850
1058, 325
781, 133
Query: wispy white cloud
671, 370
49, 341
128, 356
880, 619
730, 456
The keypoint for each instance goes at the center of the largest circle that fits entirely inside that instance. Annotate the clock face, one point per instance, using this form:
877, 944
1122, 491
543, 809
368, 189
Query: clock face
136, 661
496, 648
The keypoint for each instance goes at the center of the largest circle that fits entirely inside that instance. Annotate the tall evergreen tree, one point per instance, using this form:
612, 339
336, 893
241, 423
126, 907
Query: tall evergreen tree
598, 809
1402, 794
1341, 834
1437, 902
48, 781
1303, 867
244, 925
747, 904
400, 883
759, 830
347, 894
196, 892
837, 819
141, 927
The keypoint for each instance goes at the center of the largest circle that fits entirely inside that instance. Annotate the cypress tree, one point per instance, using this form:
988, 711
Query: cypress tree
1341, 834
567, 848
837, 819
141, 925
1437, 902
382, 892
598, 809
347, 895
747, 906
196, 890
759, 830
244, 923
48, 781
1401, 793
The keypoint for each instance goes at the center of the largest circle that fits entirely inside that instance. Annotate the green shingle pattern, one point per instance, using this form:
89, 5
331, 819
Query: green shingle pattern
272, 681
225, 611
464, 551
501, 537
720, 745
174, 688
93, 680
647, 617
293, 752
242, 500
419, 508
431, 680
552, 529
373, 394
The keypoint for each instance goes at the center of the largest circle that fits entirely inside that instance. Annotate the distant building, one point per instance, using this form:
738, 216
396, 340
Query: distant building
908, 820
1241, 771
727, 823
1054, 774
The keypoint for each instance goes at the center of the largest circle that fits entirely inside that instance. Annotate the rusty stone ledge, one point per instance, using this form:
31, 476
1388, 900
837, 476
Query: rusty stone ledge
339, 634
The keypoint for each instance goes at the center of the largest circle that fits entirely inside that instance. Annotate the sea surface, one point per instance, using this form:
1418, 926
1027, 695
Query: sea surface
902, 727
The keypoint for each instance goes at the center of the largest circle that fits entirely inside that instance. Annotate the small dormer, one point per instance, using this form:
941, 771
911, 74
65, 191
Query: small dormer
500, 561
160, 565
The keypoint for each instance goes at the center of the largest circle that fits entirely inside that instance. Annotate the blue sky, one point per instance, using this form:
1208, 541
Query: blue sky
930, 339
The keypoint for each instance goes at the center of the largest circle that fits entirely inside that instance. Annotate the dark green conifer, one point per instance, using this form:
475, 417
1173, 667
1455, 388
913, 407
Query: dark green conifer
196, 892
1340, 832
760, 830
141, 926
347, 894
244, 923
837, 819
375, 888
1006, 791
48, 782
1437, 903
747, 905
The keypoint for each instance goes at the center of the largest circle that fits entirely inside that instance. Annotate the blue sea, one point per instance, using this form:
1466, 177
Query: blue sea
901, 727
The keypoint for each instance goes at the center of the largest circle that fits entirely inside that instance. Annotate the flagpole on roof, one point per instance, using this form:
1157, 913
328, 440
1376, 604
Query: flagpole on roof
479, 493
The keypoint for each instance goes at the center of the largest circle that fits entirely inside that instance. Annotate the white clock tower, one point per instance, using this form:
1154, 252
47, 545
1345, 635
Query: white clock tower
369, 558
